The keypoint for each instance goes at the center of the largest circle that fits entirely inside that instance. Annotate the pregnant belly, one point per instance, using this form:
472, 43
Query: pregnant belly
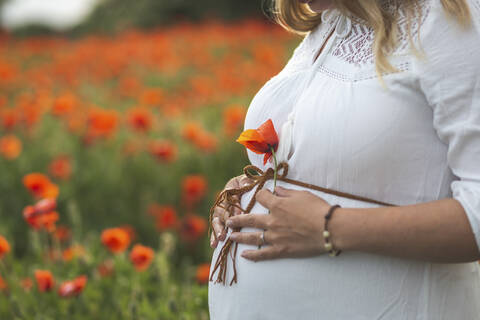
353, 285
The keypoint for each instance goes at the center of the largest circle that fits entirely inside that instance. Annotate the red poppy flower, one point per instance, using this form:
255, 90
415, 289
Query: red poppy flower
74, 251
261, 140
45, 281
40, 185
203, 273
61, 167
73, 287
233, 118
45, 205
140, 119
40, 220
101, 123
64, 104
115, 239
62, 233
165, 216
163, 150
192, 227
10, 147
152, 96
194, 188
141, 257
4, 247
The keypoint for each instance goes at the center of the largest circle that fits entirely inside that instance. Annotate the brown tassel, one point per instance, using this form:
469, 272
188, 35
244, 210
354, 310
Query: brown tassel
227, 196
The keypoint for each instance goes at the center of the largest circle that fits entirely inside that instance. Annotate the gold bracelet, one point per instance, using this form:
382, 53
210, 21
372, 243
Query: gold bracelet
326, 234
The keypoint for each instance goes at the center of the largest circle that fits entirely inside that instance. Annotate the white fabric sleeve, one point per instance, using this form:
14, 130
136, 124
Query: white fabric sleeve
449, 76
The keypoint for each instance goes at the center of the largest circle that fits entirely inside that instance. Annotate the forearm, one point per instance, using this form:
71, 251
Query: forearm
436, 231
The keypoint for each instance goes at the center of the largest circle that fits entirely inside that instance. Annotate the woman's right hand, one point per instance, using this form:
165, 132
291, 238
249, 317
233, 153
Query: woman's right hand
220, 215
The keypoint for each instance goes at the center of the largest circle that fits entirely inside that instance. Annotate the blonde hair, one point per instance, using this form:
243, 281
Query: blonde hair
298, 18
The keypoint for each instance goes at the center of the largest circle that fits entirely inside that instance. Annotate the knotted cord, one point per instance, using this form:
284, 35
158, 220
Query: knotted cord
259, 178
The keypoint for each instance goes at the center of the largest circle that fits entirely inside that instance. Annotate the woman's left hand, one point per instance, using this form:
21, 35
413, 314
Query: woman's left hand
293, 229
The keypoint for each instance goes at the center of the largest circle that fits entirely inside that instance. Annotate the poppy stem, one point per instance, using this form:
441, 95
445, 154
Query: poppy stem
274, 175
275, 169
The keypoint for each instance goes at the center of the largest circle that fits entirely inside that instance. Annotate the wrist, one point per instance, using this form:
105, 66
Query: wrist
338, 228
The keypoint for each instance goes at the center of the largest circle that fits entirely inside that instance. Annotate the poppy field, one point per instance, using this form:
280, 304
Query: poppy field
112, 151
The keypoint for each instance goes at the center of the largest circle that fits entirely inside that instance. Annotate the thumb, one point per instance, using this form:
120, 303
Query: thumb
283, 192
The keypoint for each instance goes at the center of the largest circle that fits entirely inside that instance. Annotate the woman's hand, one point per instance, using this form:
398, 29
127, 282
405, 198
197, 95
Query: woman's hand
220, 215
293, 229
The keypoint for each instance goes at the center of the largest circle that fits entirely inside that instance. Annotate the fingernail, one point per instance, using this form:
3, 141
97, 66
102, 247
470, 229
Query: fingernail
229, 223
219, 234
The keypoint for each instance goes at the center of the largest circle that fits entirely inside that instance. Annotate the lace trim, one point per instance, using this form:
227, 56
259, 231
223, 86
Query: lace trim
402, 67
356, 48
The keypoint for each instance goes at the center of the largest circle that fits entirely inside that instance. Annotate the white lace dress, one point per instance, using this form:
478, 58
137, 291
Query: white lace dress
416, 141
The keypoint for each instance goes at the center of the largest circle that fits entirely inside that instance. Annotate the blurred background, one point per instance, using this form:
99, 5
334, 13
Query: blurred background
118, 122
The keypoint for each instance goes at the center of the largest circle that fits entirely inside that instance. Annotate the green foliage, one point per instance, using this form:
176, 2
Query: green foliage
115, 15
112, 16
157, 293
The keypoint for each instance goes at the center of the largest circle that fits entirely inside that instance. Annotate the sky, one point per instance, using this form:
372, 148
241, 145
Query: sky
58, 14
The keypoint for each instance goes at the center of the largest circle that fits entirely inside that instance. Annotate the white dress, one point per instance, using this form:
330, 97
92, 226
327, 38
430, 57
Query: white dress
417, 140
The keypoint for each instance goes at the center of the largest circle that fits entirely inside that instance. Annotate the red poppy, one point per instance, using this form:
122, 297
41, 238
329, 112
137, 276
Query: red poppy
151, 97
72, 252
62, 233
40, 185
64, 104
40, 220
166, 217
141, 257
261, 140
206, 141
101, 123
4, 247
140, 119
10, 147
191, 130
233, 118
9, 118
194, 188
45, 281
61, 167
45, 205
203, 273
163, 150
115, 239
192, 227
73, 287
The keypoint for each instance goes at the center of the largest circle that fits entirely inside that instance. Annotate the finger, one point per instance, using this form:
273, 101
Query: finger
284, 192
233, 183
218, 228
252, 238
213, 242
268, 252
266, 198
259, 221
245, 180
235, 209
